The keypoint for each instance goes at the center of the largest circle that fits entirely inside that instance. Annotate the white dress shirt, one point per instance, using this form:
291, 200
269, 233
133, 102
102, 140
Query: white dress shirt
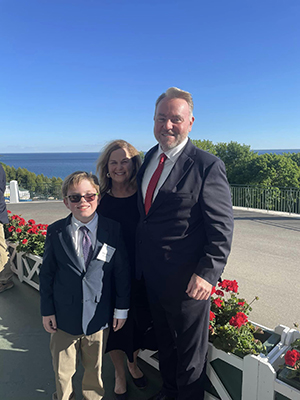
77, 236
172, 156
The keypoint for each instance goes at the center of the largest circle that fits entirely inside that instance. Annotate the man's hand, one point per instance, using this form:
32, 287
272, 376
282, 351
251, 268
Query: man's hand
198, 288
49, 323
118, 323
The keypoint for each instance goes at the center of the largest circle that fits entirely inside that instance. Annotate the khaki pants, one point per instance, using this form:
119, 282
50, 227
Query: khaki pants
5, 272
65, 350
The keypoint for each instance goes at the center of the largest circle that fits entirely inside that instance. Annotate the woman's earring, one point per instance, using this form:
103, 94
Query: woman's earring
108, 175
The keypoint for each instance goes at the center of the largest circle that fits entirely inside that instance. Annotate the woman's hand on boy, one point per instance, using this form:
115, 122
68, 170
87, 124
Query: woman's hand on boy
49, 323
118, 323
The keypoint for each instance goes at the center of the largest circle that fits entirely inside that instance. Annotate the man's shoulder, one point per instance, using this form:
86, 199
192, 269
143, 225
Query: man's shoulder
199, 155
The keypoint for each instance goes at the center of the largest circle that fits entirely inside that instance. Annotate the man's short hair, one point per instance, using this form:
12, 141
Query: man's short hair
76, 177
175, 93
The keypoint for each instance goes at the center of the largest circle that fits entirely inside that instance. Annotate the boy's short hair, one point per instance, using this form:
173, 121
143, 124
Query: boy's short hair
76, 177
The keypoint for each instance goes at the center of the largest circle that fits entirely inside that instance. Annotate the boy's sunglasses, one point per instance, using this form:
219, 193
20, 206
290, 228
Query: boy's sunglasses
75, 198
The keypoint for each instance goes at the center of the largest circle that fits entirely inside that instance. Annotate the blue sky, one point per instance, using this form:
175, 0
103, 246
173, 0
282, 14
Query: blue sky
75, 74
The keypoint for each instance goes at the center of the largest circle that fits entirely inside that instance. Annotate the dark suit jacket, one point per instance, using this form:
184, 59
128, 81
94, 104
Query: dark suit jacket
82, 301
189, 226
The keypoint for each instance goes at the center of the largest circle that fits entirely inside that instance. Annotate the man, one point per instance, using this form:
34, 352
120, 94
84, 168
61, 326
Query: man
184, 238
6, 273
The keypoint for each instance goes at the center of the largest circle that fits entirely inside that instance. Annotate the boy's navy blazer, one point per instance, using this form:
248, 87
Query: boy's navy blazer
83, 302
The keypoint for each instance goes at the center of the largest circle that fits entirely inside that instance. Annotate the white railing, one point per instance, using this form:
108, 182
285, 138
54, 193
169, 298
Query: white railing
266, 198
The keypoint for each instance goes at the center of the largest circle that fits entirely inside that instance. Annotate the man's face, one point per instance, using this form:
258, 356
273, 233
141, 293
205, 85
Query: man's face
172, 122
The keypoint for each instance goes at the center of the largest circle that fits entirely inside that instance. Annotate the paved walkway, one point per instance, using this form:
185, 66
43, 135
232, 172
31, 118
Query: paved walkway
264, 260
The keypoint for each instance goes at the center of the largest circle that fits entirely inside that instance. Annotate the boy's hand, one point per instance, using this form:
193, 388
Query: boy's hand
49, 323
118, 323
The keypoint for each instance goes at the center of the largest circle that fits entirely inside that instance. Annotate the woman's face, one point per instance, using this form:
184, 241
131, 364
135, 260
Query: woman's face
120, 166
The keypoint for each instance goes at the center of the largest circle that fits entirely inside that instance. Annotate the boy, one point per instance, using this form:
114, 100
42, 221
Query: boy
80, 268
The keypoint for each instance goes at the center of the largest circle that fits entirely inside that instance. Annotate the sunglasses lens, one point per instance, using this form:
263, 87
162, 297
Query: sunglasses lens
74, 198
89, 197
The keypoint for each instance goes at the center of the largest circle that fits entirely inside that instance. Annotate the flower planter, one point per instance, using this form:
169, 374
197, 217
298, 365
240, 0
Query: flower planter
269, 387
235, 378
25, 266
12, 249
29, 265
284, 377
249, 378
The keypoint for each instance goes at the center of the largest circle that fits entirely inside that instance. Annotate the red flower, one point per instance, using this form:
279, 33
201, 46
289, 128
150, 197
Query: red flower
15, 217
213, 290
22, 222
241, 303
218, 302
229, 286
291, 357
24, 241
44, 233
32, 230
212, 316
31, 221
18, 230
219, 293
9, 212
238, 320
11, 228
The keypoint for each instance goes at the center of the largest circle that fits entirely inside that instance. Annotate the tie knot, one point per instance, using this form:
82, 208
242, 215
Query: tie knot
162, 158
84, 229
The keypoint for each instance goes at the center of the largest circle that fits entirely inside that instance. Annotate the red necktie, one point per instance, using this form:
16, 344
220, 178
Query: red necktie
153, 182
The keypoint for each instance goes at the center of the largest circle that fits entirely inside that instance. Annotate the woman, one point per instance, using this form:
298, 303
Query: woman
117, 168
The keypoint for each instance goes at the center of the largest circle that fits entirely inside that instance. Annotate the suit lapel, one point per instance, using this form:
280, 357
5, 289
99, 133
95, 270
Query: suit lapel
65, 237
139, 179
180, 169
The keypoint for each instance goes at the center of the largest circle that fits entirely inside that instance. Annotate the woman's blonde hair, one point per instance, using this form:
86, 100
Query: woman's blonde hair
102, 163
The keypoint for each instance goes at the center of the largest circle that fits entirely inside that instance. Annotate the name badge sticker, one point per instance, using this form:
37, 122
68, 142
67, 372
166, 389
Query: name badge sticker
106, 253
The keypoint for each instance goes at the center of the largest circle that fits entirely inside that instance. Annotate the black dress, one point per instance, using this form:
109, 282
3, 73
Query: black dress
137, 333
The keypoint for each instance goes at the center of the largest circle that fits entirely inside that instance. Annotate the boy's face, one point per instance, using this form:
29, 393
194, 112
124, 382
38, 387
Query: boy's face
83, 210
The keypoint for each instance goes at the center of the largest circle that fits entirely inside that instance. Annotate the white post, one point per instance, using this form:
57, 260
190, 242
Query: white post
14, 192
250, 377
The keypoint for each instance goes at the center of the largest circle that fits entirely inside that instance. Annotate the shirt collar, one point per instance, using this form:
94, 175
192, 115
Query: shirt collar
174, 153
91, 225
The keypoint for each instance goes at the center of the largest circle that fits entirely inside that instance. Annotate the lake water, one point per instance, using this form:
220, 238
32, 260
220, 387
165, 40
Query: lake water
52, 164
62, 164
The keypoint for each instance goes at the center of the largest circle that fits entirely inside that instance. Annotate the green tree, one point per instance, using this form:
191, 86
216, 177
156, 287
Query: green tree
236, 157
274, 170
38, 185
